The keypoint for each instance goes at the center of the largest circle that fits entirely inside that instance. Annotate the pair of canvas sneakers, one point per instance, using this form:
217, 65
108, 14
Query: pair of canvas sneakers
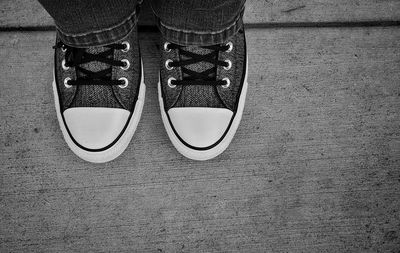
99, 95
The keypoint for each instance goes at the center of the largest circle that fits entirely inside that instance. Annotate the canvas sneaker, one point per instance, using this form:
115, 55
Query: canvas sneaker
99, 95
202, 91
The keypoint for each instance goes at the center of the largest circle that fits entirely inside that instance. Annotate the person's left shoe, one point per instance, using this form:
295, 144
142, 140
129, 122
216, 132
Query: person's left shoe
202, 93
99, 95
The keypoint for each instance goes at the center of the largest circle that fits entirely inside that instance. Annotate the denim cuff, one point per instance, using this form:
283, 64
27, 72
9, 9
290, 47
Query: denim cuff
200, 38
101, 37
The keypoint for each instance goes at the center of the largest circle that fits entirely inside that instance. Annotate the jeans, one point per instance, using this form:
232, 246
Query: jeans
184, 22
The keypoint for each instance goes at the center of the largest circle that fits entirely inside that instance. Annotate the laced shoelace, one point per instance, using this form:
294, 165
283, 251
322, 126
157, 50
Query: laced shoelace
74, 57
207, 77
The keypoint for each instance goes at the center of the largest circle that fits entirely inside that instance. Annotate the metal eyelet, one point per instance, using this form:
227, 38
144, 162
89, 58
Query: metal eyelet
66, 80
127, 64
65, 67
122, 86
170, 82
230, 44
228, 82
166, 49
167, 66
127, 46
229, 65
63, 48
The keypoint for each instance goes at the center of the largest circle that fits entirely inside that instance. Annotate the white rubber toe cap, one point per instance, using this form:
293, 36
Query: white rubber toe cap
95, 127
200, 126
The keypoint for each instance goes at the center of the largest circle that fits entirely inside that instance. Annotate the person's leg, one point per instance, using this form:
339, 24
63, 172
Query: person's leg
98, 81
203, 73
92, 22
194, 22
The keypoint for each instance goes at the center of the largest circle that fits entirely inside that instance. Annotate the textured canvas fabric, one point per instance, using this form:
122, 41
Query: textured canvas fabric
102, 95
198, 95
171, 94
230, 96
94, 95
206, 95
127, 97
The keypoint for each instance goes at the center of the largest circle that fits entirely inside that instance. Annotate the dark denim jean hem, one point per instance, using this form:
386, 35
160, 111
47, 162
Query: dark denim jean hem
200, 38
101, 37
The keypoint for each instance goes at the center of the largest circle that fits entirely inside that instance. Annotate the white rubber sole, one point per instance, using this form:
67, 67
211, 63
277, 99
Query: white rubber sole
115, 150
202, 155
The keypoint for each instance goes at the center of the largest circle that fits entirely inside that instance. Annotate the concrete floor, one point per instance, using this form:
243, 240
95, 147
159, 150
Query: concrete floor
314, 166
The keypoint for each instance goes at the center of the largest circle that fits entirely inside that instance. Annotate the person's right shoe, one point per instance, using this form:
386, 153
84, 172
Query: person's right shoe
99, 96
202, 91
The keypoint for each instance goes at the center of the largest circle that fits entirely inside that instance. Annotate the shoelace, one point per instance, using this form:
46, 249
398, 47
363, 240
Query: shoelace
74, 57
207, 77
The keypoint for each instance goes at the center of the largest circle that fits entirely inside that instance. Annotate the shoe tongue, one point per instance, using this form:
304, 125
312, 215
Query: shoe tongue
199, 66
198, 95
94, 66
95, 95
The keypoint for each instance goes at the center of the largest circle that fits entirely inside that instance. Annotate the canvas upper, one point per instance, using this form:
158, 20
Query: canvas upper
209, 95
106, 95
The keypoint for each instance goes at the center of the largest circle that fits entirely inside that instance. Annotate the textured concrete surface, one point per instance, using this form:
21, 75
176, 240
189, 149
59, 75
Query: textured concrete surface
314, 166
